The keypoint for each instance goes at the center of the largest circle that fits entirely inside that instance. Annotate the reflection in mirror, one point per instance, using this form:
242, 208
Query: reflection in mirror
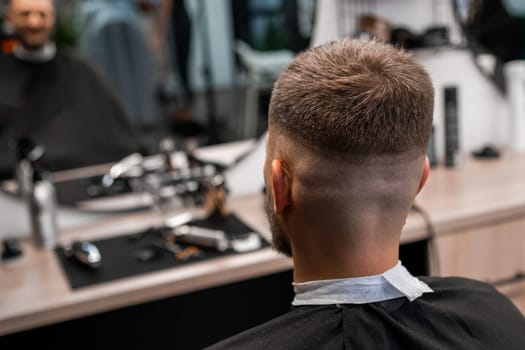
275, 24
267, 34
123, 74
53, 97
495, 32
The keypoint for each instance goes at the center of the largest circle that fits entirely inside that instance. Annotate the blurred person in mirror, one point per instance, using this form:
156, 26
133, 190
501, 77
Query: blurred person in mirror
171, 40
348, 130
55, 98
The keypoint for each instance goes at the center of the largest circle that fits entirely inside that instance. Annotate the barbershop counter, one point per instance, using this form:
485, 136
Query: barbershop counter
471, 220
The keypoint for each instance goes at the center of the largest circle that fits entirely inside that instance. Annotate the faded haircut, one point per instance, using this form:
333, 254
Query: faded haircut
354, 97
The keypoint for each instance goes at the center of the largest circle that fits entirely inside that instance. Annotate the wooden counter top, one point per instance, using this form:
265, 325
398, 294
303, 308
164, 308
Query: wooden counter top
478, 192
34, 291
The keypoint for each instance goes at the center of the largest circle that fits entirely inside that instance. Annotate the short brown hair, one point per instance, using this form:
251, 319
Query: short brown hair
354, 96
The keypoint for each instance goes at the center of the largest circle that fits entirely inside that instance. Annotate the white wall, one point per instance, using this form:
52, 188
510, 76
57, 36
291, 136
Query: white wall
336, 18
484, 113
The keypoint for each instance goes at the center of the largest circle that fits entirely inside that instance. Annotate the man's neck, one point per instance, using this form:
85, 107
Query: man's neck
44, 53
344, 243
343, 262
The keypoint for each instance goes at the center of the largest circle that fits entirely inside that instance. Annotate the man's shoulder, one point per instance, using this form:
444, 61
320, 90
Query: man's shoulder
5, 56
63, 56
458, 306
72, 58
299, 328
6, 59
75, 64
459, 285
463, 290
471, 299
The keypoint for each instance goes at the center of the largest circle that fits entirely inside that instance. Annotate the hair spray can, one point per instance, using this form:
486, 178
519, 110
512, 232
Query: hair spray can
452, 145
42, 212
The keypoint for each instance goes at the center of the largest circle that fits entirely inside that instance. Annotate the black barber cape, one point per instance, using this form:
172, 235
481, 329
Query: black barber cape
460, 314
64, 105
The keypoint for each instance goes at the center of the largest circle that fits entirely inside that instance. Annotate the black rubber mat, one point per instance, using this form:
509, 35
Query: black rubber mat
137, 253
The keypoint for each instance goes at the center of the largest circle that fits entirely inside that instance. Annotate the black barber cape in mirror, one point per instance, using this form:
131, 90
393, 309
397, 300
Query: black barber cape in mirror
460, 314
64, 105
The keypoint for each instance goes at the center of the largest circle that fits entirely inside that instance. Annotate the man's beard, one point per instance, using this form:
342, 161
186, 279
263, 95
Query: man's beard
279, 240
34, 42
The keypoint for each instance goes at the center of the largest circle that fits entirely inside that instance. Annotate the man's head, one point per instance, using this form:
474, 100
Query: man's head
32, 20
349, 125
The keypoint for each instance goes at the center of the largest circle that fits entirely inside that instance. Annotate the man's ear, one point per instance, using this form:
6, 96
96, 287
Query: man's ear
281, 187
424, 176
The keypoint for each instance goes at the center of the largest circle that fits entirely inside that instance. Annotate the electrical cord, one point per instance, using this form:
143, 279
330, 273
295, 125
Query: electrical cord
518, 277
434, 254
432, 244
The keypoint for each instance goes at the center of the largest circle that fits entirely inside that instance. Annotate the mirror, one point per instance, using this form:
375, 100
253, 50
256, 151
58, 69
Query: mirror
199, 45
495, 33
